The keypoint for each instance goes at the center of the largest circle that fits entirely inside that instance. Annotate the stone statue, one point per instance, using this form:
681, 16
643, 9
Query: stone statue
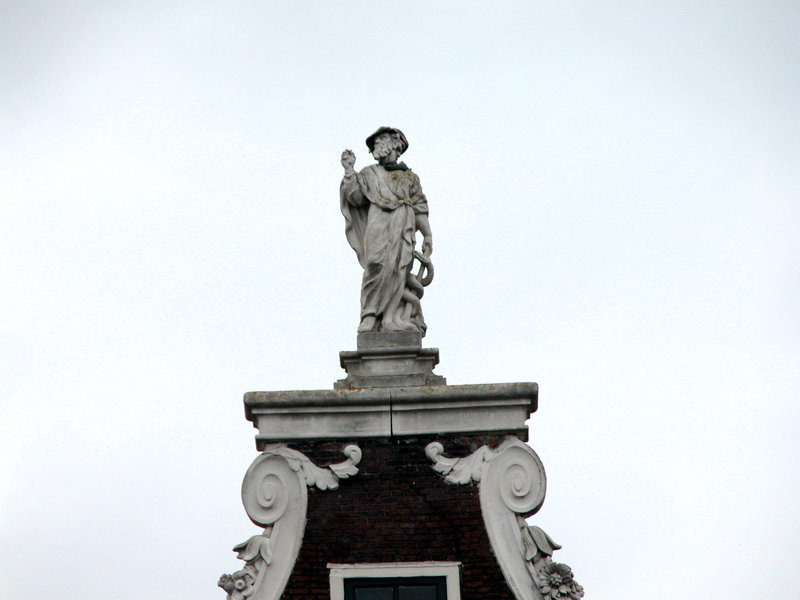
383, 207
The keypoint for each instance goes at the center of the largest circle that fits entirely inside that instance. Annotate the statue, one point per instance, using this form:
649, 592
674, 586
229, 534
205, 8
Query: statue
383, 207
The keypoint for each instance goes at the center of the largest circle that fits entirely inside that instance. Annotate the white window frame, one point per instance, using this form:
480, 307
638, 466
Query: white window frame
451, 571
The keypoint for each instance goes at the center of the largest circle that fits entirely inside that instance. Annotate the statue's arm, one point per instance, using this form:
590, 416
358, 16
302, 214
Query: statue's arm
420, 204
424, 227
350, 189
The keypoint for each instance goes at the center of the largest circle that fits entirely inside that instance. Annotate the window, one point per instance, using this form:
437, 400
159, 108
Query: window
396, 581
396, 588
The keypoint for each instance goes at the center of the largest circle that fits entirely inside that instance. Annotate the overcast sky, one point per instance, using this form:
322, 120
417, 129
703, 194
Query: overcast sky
615, 204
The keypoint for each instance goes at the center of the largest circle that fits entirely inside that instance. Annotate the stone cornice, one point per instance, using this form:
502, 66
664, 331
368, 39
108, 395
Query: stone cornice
391, 411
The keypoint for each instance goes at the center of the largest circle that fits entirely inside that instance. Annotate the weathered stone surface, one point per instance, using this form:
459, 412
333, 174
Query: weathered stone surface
384, 359
391, 412
383, 207
381, 339
389, 367
319, 414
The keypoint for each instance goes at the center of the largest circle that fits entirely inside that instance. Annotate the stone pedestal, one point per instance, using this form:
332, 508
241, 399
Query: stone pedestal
394, 478
389, 360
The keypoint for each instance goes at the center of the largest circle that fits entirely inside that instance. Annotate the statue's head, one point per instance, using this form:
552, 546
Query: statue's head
387, 138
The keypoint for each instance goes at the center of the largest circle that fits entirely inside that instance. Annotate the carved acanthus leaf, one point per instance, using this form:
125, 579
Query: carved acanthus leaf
256, 548
535, 540
323, 478
347, 468
458, 470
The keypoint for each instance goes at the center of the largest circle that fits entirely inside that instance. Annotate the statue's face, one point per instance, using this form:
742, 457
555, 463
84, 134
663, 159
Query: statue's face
384, 146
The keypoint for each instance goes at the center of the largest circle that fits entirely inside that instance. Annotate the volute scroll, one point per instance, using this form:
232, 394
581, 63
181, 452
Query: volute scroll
275, 496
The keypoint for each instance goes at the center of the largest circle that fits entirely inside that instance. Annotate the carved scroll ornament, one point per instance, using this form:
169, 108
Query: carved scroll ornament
512, 487
275, 497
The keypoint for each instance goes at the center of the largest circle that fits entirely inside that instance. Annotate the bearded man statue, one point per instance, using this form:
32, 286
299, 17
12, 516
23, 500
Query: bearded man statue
383, 207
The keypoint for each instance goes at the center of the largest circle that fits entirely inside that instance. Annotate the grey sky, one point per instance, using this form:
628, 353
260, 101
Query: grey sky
614, 200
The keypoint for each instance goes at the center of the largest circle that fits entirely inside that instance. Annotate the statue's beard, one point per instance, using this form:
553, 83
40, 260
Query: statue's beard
381, 151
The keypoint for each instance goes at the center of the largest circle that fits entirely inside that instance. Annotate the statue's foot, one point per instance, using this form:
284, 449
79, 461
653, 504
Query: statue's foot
399, 325
367, 324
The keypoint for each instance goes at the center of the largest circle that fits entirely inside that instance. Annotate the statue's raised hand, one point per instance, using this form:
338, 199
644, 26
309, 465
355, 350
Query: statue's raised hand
348, 160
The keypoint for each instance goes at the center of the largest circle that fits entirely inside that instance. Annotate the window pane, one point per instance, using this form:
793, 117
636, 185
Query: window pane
373, 593
417, 592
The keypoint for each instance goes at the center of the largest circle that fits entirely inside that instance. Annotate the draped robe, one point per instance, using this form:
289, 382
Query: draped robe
380, 208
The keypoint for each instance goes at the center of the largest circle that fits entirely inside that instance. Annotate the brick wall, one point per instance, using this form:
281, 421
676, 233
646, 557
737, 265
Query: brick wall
397, 509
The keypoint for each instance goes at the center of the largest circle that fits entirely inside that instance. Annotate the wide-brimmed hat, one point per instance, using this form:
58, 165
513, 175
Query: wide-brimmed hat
371, 139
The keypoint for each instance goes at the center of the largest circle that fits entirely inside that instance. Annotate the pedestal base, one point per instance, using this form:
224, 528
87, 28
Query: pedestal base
389, 360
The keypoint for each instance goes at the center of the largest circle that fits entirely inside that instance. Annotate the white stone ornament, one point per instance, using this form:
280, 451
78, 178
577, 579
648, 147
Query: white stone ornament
324, 478
512, 486
459, 470
554, 579
274, 496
